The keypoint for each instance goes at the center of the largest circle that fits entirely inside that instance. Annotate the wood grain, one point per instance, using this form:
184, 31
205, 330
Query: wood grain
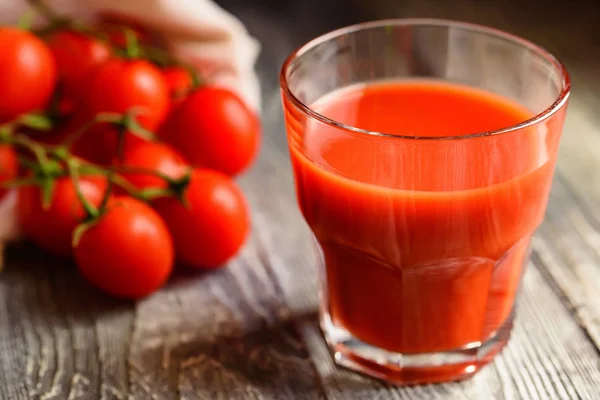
568, 248
249, 331
548, 357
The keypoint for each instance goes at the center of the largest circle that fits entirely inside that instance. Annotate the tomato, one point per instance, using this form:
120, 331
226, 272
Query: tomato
213, 128
153, 157
119, 85
52, 229
213, 226
179, 81
77, 55
27, 73
129, 252
9, 166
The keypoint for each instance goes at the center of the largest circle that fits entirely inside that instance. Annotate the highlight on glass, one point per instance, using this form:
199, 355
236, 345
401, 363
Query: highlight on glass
423, 153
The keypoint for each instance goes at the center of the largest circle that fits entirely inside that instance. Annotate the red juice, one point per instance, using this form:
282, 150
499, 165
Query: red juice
424, 240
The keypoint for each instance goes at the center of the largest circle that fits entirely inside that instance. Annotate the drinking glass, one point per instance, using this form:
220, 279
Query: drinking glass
419, 282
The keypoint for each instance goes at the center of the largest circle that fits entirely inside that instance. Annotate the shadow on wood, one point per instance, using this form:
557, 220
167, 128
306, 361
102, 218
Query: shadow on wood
39, 275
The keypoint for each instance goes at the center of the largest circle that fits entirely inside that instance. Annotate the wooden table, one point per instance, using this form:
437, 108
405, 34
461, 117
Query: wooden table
249, 331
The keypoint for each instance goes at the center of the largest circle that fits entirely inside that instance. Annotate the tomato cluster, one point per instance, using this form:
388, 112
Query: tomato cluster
96, 185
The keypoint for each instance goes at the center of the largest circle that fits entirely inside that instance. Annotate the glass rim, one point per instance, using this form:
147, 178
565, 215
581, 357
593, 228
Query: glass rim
558, 103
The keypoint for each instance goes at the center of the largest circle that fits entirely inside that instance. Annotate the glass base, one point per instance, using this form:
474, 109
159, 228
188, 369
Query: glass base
408, 369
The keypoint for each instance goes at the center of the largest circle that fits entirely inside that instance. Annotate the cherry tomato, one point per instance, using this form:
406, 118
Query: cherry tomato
120, 85
129, 252
213, 226
77, 55
52, 229
153, 157
213, 128
27, 73
178, 81
9, 167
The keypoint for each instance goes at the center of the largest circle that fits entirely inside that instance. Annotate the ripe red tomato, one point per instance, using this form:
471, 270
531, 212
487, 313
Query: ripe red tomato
178, 81
52, 229
213, 128
119, 85
76, 55
9, 166
129, 252
214, 225
153, 157
27, 73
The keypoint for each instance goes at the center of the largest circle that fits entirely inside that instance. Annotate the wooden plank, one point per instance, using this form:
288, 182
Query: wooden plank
57, 336
209, 337
225, 335
579, 155
113, 333
15, 371
53, 320
149, 351
282, 239
567, 245
271, 363
548, 357
543, 376
57, 333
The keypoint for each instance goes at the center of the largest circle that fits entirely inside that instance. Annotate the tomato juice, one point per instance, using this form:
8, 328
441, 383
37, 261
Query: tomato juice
425, 225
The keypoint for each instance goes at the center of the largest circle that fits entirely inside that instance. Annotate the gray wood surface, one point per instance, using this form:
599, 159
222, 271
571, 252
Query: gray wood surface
249, 331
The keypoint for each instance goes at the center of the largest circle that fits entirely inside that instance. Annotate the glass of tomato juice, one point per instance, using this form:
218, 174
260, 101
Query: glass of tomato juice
423, 153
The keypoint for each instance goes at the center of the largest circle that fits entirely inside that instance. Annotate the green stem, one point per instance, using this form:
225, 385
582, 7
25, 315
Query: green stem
179, 187
158, 56
77, 134
132, 48
6, 131
150, 194
91, 211
48, 169
27, 163
112, 118
108, 117
124, 184
26, 20
13, 183
87, 168
50, 161
33, 120
196, 81
35, 148
47, 185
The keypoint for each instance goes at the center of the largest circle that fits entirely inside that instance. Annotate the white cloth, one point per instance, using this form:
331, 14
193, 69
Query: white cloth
196, 31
